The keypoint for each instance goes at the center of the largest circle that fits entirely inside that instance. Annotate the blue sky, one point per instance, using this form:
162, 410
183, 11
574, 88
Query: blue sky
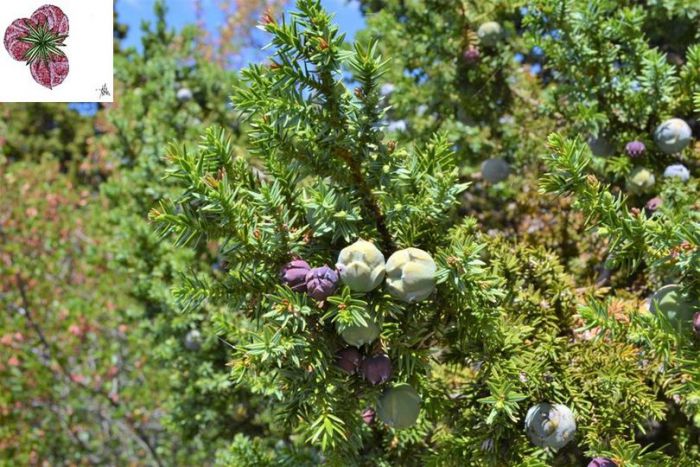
181, 12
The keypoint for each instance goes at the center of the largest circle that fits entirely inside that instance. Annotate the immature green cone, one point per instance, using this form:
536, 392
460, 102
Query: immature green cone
399, 406
678, 171
490, 33
673, 135
361, 335
184, 95
640, 180
193, 340
495, 170
677, 308
551, 426
361, 266
411, 275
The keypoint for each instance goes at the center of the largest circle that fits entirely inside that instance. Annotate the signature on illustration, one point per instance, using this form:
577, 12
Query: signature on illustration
104, 91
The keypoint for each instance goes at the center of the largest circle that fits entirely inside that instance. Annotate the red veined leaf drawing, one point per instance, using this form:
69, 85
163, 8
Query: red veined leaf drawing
38, 40
14, 46
53, 17
50, 73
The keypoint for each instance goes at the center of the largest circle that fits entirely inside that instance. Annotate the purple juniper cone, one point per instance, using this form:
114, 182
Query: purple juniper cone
653, 205
348, 359
472, 54
601, 462
635, 148
368, 415
293, 274
696, 323
377, 369
321, 282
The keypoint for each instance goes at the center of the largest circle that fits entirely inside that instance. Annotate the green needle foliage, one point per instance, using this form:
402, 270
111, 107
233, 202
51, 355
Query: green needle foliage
203, 409
434, 84
503, 330
176, 340
662, 241
620, 70
44, 43
664, 245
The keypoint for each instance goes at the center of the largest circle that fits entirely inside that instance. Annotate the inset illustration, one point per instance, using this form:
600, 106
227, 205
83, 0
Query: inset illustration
40, 41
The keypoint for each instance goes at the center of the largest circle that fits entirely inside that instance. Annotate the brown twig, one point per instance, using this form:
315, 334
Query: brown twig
369, 200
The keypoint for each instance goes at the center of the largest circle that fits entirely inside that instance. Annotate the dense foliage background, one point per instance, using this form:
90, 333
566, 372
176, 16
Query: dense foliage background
525, 147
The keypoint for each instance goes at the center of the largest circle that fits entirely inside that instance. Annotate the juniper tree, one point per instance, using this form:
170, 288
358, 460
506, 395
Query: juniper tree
632, 97
477, 330
454, 69
166, 92
626, 82
661, 249
621, 73
584, 67
484, 95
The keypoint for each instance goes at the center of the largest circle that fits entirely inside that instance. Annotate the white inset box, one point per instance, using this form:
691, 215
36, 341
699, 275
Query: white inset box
60, 51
